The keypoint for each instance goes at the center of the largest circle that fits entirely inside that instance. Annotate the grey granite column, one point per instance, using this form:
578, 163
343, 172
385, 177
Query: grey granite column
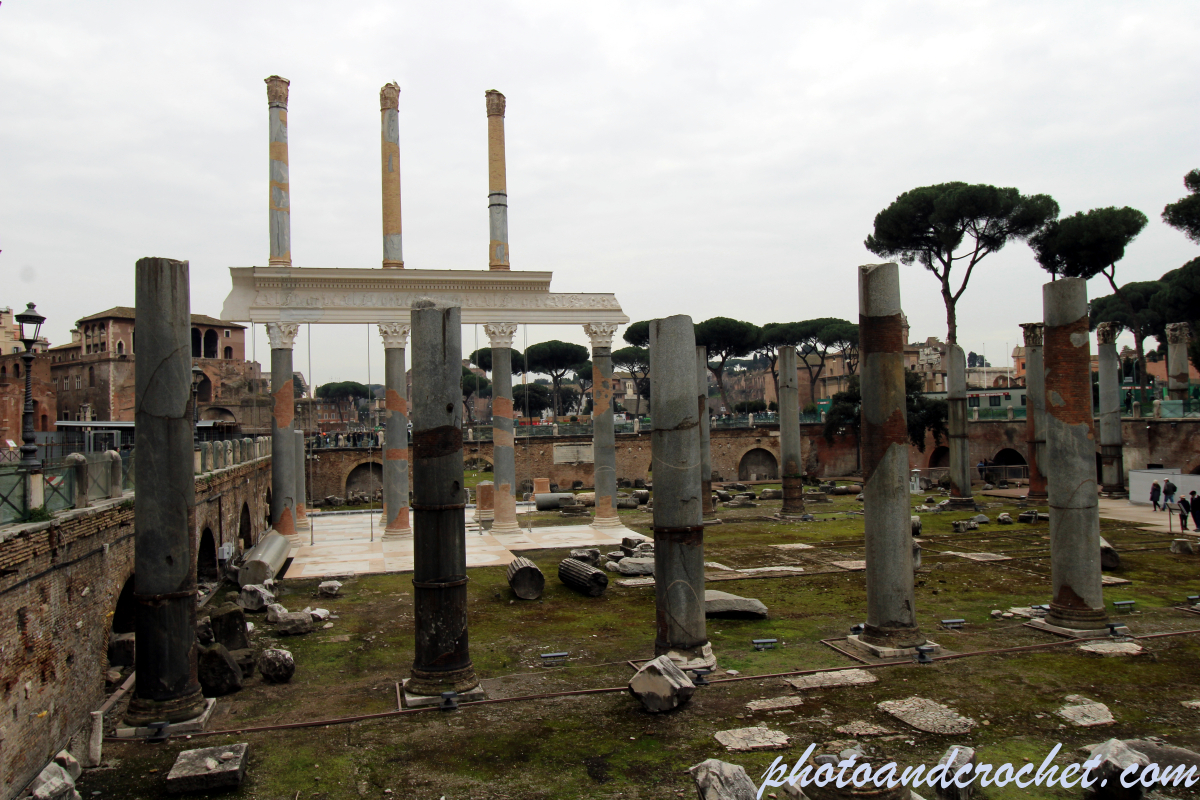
442, 662
706, 502
604, 442
164, 515
283, 411
1179, 336
497, 182
1078, 601
280, 204
789, 433
395, 451
678, 520
1112, 461
956, 424
504, 463
891, 600
301, 482
389, 137
1035, 408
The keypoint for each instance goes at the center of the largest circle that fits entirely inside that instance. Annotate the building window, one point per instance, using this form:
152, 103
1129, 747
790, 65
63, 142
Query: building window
16, 370
228, 352
120, 348
1023, 399
3, 372
226, 334
973, 402
78, 385
91, 377
994, 401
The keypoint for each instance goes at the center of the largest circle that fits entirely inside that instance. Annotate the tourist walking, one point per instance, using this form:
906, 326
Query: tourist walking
1195, 501
1155, 493
1185, 510
1169, 490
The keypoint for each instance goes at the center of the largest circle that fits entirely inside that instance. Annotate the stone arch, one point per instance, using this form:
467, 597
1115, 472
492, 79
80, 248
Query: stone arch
211, 344
939, 458
758, 464
124, 619
267, 511
204, 390
1008, 457
207, 570
245, 528
218, 413
228, 352
120, 347
366, 476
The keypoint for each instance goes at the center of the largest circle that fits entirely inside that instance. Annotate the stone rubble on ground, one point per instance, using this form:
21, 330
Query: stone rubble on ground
294, 623
860, 727
319, 614
229, 626
588, 555
962, 756
1115, 757
53, 783
1105, 648
723, 603
218, 672
1085, 713
826, 680
715, 565
274, 611
927, 715
720, 780
964, 525
1004, 518
635, 566
661, 686
209, 768
775, 703
329, 588
255, 597
276, 665
741, 740
793, 546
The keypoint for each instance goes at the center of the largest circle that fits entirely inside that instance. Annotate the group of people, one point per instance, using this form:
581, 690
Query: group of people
1189, 504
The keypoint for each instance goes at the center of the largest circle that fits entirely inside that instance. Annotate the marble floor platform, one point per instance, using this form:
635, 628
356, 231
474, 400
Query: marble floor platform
350, 543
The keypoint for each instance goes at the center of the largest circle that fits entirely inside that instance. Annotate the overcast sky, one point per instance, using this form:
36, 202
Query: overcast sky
699, 158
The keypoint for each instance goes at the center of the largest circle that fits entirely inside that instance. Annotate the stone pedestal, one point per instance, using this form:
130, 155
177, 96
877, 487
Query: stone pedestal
541, 485
395, 446
604, 453
678, 520
484, 499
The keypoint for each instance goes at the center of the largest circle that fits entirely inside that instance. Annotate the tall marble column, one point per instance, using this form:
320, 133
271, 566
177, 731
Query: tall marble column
789, 433
1112, 461
389, 109
283, 412
395, 442
1179, 336
442, 661
891, 599
706, 496
1035, 408
1070, 467
497, 182
280, 204
164, 516
956, 424
678, 520
504, 462
301, 479
604, 443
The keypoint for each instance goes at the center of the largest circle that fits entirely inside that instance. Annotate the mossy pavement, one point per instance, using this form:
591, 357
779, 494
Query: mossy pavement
605, 746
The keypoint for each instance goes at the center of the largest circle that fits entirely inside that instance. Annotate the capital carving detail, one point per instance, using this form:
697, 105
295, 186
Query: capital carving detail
277, 91
1033, 333
601, 333
1106, 332
394, 334
500, 334
495, 103
282, 334
1178, 333
389, 96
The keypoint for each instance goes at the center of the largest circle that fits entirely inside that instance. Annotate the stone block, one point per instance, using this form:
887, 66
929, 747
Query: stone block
274, 611
927, 715
229, 627
204, 631
588, 555
208, 769
953, 760
744, 739
277, 666
1004, 518
1109, 557
1085, 713
775, 703
661, 686
255, 597
916, 525
295, 623
730, 605
615, 555
245, 660
826, 680
1115, 757
53, 783
1182, 547
329, 588
771, 494
720, 780
1110, 649
69, 764
636, 566
218, 672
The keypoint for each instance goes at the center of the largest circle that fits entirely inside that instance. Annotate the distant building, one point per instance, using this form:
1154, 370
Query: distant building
12, 383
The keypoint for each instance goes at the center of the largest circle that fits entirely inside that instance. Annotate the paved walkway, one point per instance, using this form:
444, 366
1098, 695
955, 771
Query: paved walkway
342, 544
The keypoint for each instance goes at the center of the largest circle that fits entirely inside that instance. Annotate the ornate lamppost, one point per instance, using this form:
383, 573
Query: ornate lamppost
197, 379
31, 325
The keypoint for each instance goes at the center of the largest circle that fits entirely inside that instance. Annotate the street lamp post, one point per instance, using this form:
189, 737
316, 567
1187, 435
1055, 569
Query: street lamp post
31, 325
197, 378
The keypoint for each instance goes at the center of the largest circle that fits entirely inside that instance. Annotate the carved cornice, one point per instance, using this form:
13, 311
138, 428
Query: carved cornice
394, 334
282, 334
389, 96
1106, 332
500, 334
1033, 333
601, 333
277, 91
1178, 333
495, 103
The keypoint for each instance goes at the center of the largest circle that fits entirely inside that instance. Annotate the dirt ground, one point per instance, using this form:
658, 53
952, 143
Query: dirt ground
603, 745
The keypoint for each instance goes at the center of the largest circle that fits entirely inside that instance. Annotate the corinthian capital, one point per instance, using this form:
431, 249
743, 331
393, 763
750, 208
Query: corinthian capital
500, 334
277, 91
282, 334
1178, 333
394, 334
1033, 333
389, 96
1106, 332
601, 333
495, 103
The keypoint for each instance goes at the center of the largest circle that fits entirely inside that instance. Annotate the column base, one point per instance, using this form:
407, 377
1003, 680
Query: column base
421, 700
191, 711
1037, 497
607, 522
501, 528
893, 637
484, 515
689, 657
396, 535
431, 684
1114, 492
885, 652
961, 502
1079, 619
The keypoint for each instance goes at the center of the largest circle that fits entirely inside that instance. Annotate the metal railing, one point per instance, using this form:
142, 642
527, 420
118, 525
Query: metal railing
12, 496
58, 484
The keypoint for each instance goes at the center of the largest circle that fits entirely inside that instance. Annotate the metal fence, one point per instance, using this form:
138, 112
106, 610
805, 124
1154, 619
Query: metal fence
12, 495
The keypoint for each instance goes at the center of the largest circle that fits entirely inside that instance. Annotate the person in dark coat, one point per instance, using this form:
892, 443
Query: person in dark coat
1195, 502
1155, 493
1185, 510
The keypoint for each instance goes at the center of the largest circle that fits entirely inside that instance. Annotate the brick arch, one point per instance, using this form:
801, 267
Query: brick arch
351, 464
771, 446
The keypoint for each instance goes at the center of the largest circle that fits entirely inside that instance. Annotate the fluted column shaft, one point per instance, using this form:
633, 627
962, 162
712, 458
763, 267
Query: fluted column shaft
504, 462
497, 183
1179, 336
389, 138
604, 452
395, 437
789, 433
1112, 461
283, 412
280, 202
956, 424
